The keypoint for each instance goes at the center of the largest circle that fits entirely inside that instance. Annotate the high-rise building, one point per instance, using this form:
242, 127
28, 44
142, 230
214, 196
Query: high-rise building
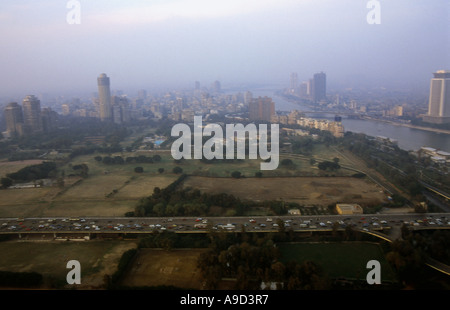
32, 114
293, 83
49, 119
319, 87
14, 119
104, 95
261, 109
121, 109
248, 97
439, 100
303, 90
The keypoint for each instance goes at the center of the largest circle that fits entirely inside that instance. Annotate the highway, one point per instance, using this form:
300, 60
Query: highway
62, 225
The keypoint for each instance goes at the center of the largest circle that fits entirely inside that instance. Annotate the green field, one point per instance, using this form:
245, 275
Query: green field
339, 260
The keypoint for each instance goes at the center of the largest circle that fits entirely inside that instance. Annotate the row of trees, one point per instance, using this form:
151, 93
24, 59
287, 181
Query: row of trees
118, 160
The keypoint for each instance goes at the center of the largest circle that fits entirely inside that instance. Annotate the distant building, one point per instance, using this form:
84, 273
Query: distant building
14, 120
120, 109
348, 209
217, 87
293, 83
261, 109
439, 100
65, 108
319, 87
437, 156
294, 212
49, 120
32, 114
104, 94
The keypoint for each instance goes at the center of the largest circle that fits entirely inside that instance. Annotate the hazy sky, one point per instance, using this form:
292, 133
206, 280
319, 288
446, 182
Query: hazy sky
147, 44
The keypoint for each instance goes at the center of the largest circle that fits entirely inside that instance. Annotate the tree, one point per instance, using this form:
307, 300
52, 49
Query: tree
328, 165
236, 174
287, 162
156, 158
83, 168
177, 170
6, 182
160, 170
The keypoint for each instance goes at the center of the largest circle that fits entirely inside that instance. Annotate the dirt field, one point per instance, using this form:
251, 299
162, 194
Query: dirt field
155, 267
320, 191
13, 166
93, 196
50, 258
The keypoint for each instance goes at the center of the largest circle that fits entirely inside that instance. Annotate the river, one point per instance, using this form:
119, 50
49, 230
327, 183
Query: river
408, 138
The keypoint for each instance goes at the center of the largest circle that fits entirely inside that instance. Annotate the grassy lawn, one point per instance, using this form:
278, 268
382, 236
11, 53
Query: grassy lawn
347, 260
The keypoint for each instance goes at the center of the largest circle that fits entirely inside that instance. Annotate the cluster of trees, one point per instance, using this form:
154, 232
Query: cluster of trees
328, 165
31, 173
253, 262
302, 145
82, 170
396, 165
171, 201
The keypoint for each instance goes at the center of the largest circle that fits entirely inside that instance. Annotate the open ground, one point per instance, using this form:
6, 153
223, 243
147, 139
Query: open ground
319, 191
97, 259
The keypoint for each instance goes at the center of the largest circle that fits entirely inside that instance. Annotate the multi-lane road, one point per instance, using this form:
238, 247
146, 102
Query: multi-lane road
194, 224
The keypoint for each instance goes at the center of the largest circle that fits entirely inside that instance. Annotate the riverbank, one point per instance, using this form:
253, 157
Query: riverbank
436, 130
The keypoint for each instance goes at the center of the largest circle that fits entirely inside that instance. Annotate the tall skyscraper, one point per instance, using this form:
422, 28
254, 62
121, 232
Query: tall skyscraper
32, 114
14, 119
293, 83
319, 87
439, 100
261, 109
104, 95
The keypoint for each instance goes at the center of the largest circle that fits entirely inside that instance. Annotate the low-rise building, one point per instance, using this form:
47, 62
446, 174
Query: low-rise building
348, 208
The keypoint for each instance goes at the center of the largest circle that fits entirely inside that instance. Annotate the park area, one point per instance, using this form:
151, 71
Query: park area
115, 189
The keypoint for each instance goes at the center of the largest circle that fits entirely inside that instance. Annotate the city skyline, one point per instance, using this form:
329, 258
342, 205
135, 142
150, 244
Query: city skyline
148, 45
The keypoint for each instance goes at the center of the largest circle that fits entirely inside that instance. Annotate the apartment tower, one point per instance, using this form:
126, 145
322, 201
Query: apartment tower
32, 114
104, 95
